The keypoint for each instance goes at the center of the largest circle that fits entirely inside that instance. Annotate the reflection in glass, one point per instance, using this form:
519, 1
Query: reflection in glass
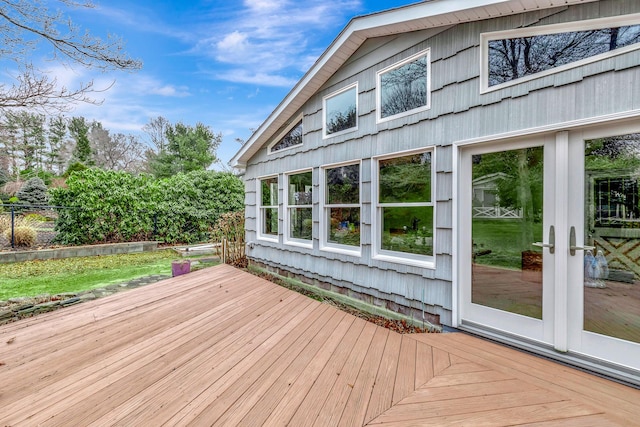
270, 221
343, 185
340, 111
291, 139
507, 219
612, 224
511, 59
404, 88
269, 206
408, 229
343, 204
299, 206
344, 226
405, 205
406, 179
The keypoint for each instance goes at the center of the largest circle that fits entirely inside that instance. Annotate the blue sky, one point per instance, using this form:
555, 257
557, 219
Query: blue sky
224, 63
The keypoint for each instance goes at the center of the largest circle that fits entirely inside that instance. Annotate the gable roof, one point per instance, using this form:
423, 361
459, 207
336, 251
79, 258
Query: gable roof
419, 16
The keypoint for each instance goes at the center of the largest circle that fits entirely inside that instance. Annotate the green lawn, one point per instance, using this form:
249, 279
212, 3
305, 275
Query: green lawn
32, 278
503, 237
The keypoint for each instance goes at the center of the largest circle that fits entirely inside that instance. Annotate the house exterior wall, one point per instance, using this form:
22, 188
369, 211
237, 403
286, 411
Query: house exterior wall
458, 112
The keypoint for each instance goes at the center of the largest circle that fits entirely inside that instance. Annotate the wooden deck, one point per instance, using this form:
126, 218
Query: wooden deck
223, 347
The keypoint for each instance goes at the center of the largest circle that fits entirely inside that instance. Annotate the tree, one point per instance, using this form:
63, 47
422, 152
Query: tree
157, 131
24, 140
115, 152
79, 130
34, 192
510, 59
57, 131
188, 149
25, 24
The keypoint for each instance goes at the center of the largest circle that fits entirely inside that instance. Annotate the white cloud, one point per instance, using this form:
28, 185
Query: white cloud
262, 79
269, 40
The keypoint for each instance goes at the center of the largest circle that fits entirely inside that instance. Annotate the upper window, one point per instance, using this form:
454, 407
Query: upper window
291, 137
403, 88
405, 207
519, 55
268, 212
341, 111
299, 206
342, 206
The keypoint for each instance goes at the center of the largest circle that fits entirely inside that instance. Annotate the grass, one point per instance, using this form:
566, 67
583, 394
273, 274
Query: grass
503, 238
56, 276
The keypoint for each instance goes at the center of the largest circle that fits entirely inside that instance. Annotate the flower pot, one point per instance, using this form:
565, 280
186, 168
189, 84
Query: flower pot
180, 267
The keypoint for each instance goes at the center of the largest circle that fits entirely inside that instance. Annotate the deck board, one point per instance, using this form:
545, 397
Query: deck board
223, 347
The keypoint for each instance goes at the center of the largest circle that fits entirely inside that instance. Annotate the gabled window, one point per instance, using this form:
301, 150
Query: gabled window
291, 137
268, 208
340, 111
299, 209
515, 56
404, 88
341, 207
405, 208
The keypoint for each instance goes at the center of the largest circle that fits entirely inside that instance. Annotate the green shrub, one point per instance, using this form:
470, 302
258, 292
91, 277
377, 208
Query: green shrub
23, 235
118, 206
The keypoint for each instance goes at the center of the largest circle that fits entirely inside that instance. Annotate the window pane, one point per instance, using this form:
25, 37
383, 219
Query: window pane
404, 88
270, 221
270, 192
300, 223
510, 59
343, 185
300, 187
340, 111
406, 179
408, 230
293, 137
345, 226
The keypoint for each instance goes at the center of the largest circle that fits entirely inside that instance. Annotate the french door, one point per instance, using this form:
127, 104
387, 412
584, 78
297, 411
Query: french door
549, 244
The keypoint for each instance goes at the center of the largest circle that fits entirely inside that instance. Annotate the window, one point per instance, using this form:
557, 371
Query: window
405, 208
342, 206
404, 88
520, 55
268, 215
299, 206
291, 137
341, 111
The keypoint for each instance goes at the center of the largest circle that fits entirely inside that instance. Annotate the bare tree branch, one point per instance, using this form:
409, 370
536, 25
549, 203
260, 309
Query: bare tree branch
24, 24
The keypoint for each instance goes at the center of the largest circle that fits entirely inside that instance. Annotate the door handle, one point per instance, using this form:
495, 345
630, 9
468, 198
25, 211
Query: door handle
552, 241
572, 243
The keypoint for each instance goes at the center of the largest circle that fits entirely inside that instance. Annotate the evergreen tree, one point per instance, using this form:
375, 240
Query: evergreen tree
56, 134
188, 149
79, 130
33, 192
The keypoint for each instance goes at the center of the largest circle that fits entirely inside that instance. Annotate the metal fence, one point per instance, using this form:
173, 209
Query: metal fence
40, 219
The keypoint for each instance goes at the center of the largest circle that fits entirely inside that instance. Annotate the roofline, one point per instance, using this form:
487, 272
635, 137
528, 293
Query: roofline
424, 15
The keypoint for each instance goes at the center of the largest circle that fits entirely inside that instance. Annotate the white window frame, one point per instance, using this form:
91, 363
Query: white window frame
287, 215
590, 24
293, 124
376, 239
325, 220
324, 111
379, 118
260, 210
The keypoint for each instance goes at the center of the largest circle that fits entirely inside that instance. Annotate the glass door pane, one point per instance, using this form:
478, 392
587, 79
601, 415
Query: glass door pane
612, 226
507, 208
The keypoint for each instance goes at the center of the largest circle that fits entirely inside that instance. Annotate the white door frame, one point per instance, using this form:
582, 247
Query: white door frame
583, 349
522, 327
